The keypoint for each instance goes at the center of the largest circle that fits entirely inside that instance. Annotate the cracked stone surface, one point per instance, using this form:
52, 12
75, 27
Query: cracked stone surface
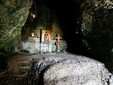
54, 69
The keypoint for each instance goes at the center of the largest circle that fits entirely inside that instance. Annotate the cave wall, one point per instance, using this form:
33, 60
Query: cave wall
13, 15
97, 28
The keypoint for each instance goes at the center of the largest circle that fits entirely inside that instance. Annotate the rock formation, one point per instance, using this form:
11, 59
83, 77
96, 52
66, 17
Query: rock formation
55, 69
13, 15
97, 28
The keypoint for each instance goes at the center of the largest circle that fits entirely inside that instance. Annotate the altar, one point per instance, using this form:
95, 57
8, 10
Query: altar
43, 41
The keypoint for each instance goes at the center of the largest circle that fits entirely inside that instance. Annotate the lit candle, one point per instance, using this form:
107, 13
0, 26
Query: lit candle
32, 34
33, 15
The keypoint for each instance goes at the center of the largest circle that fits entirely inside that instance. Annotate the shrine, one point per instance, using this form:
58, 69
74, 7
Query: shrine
40, 30
43, 40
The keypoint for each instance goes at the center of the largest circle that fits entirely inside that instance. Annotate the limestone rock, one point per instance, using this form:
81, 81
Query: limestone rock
97, 28
76, 70
55, 69
13, 14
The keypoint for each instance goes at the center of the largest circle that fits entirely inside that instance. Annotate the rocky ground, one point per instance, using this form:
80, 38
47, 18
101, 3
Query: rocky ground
54, 69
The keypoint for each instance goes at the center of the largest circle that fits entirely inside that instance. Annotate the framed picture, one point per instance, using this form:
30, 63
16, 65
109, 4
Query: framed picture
46, 38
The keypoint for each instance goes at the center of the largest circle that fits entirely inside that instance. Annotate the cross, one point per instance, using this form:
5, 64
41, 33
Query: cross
57, 42
58, 37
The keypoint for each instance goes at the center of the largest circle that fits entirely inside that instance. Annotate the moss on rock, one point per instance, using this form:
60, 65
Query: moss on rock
13, 15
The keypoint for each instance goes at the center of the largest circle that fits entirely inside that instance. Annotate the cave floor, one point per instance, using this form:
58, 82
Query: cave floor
19, 70
16, 72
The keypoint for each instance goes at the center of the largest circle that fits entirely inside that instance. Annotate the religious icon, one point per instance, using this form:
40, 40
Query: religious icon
46, 36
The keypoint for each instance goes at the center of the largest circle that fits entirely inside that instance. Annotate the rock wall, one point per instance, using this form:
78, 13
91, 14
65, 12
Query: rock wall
97, 28
13, 15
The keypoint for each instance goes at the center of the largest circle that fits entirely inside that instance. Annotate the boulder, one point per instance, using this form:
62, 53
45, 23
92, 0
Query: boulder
76, 70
